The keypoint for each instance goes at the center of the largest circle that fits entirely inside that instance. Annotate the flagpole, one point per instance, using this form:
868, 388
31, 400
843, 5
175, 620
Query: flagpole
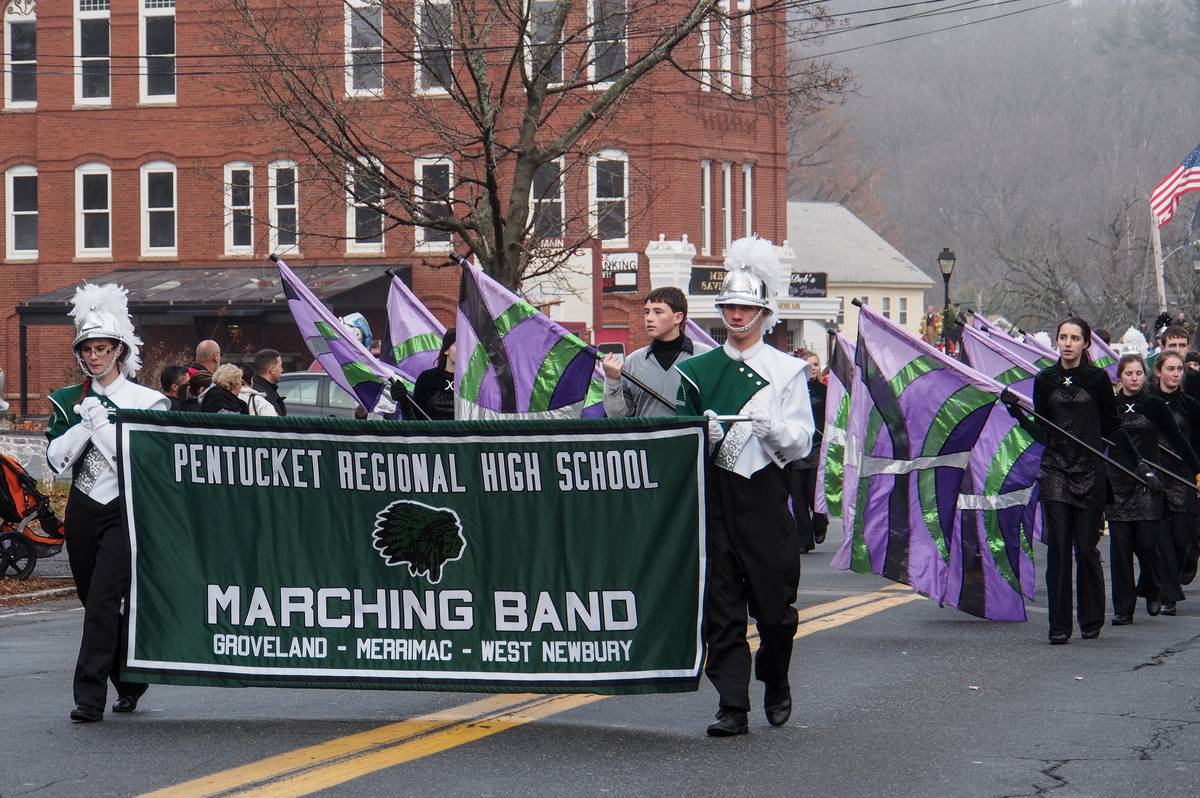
1047, 422
653, 393
1159, 283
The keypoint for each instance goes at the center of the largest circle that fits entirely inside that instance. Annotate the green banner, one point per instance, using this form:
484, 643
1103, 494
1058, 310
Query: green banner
525, 556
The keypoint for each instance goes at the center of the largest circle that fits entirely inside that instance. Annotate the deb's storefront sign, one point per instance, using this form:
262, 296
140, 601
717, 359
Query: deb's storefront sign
707, 280
484, 556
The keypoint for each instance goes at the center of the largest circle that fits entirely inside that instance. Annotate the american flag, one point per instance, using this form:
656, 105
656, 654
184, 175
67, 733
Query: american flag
1165, 197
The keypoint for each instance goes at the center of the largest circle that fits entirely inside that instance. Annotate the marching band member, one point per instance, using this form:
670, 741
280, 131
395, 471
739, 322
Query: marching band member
83, 440
1177, 545
753, 544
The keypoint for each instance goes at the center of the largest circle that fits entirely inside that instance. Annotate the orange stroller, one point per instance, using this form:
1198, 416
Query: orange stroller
29, 529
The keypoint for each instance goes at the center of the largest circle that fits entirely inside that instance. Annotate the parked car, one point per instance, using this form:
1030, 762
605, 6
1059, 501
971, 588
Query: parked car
314, 393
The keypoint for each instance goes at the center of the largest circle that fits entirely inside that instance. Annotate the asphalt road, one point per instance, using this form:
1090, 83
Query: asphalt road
893, 697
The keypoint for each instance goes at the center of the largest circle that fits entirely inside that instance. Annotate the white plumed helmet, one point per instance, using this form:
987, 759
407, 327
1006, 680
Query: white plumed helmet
1133, 343
102, 311
754, 277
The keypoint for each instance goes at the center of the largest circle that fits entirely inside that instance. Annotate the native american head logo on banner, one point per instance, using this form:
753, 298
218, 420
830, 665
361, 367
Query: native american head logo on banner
423, 537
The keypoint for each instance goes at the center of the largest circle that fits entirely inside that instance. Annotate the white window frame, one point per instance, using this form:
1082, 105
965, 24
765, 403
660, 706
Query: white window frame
159, 167
230, 247
349, 51
274, 207
841, 311
530, 44
9, 20
352, 244
885, 307
418, 86
10, 214
535, 201
419, 165
80, 171
747, 199
706, 81
591, 51
902, 311
80, 16
706, 207
723, 48
160, 9
727, 204
593, 202
746, 48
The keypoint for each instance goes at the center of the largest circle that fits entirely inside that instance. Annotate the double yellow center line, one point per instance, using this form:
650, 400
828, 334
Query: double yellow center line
324, 765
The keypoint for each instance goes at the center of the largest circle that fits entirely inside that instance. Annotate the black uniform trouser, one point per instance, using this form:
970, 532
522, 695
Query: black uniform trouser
802, 482
1174, 544
99, 554
1068, 528
753, 565
1126, 540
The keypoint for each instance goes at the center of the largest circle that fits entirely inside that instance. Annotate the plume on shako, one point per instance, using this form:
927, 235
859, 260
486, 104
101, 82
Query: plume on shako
1133, 343
760, 258
102, 311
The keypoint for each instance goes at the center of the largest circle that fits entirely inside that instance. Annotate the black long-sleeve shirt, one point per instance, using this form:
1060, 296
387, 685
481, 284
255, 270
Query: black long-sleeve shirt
1149, 424
1186, 411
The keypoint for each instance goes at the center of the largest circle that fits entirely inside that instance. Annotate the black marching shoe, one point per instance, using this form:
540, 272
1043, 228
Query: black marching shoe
1153, 607
1168, 608
1059, 639
730, 723
82, 713
125, 703
777, 702
1092, 635
1122, 619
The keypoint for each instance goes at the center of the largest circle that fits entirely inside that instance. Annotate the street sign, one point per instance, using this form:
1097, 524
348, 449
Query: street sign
618, 272
808, 284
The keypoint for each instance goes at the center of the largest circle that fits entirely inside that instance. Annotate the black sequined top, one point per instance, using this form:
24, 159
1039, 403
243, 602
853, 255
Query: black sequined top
1080, 401
1186, 412
1148, 423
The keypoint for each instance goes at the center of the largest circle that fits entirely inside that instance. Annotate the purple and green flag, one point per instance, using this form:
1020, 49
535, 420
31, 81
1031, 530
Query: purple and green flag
1104, 357
344, 358
699, 335
1002, 365
517, 362
414, 334
1028, 351
832, 462
940, 489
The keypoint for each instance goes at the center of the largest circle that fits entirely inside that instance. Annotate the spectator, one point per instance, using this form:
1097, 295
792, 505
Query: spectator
1192, 361
174, 380
268, 368
208, 356
433, 394
222, 396
256, 402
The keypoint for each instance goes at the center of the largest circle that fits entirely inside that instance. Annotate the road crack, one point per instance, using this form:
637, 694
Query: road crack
1162, 656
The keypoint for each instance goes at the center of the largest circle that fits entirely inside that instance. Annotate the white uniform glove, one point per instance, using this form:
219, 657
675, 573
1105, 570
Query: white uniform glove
92, 413
715, 431
761, 425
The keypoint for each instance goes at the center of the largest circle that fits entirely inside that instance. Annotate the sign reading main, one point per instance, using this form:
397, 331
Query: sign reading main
487, 556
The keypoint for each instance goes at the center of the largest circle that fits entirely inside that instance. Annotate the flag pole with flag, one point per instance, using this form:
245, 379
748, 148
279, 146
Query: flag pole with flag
414, 335
1185, 178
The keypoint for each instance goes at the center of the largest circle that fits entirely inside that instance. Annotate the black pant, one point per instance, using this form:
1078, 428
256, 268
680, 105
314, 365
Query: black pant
753, 564
1175, 541
811, 525
1066, 528
99, 554
1127, 539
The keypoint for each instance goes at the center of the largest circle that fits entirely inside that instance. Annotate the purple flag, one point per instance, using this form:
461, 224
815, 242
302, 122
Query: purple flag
831, 465
939, 490
414, 334
1027, 351
344, 358
1002, 365
514, 361
698, 334
1103, 357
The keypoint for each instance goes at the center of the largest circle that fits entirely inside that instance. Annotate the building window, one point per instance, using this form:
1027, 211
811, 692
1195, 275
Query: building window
903, 314
706, 207
364, 48
607, 57
886, 306
727, 204
158, 209
719, 333
746, 50
548, 209
92, 68
724, 47
545, 39
433, 179
21, 219
93, 214
285, 206
435, 64
609, 197
747, 199
364, 219
841, 311
20, 61
706, 83
239, 209
157, 79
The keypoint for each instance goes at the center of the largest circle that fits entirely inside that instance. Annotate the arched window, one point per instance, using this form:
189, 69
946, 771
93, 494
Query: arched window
239, 208
21, 213
608, 197
159, 209
20, 55
93, 210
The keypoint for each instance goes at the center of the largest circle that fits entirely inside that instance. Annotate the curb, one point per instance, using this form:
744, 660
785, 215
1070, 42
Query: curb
54, 591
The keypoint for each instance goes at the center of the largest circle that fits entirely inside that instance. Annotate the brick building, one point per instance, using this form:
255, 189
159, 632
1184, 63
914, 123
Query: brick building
125, 149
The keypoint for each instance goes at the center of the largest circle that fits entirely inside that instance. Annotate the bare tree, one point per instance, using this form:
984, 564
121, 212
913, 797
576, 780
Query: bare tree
512, 94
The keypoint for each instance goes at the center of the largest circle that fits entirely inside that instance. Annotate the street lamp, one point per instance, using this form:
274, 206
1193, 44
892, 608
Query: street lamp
946, 261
